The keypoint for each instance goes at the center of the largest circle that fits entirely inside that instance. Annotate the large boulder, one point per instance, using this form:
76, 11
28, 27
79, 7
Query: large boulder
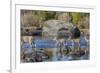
52, 27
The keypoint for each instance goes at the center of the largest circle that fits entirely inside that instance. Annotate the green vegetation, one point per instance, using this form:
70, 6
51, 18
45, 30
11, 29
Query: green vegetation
38, 17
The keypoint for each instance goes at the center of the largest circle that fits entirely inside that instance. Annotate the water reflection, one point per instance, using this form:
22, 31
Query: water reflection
59, 50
